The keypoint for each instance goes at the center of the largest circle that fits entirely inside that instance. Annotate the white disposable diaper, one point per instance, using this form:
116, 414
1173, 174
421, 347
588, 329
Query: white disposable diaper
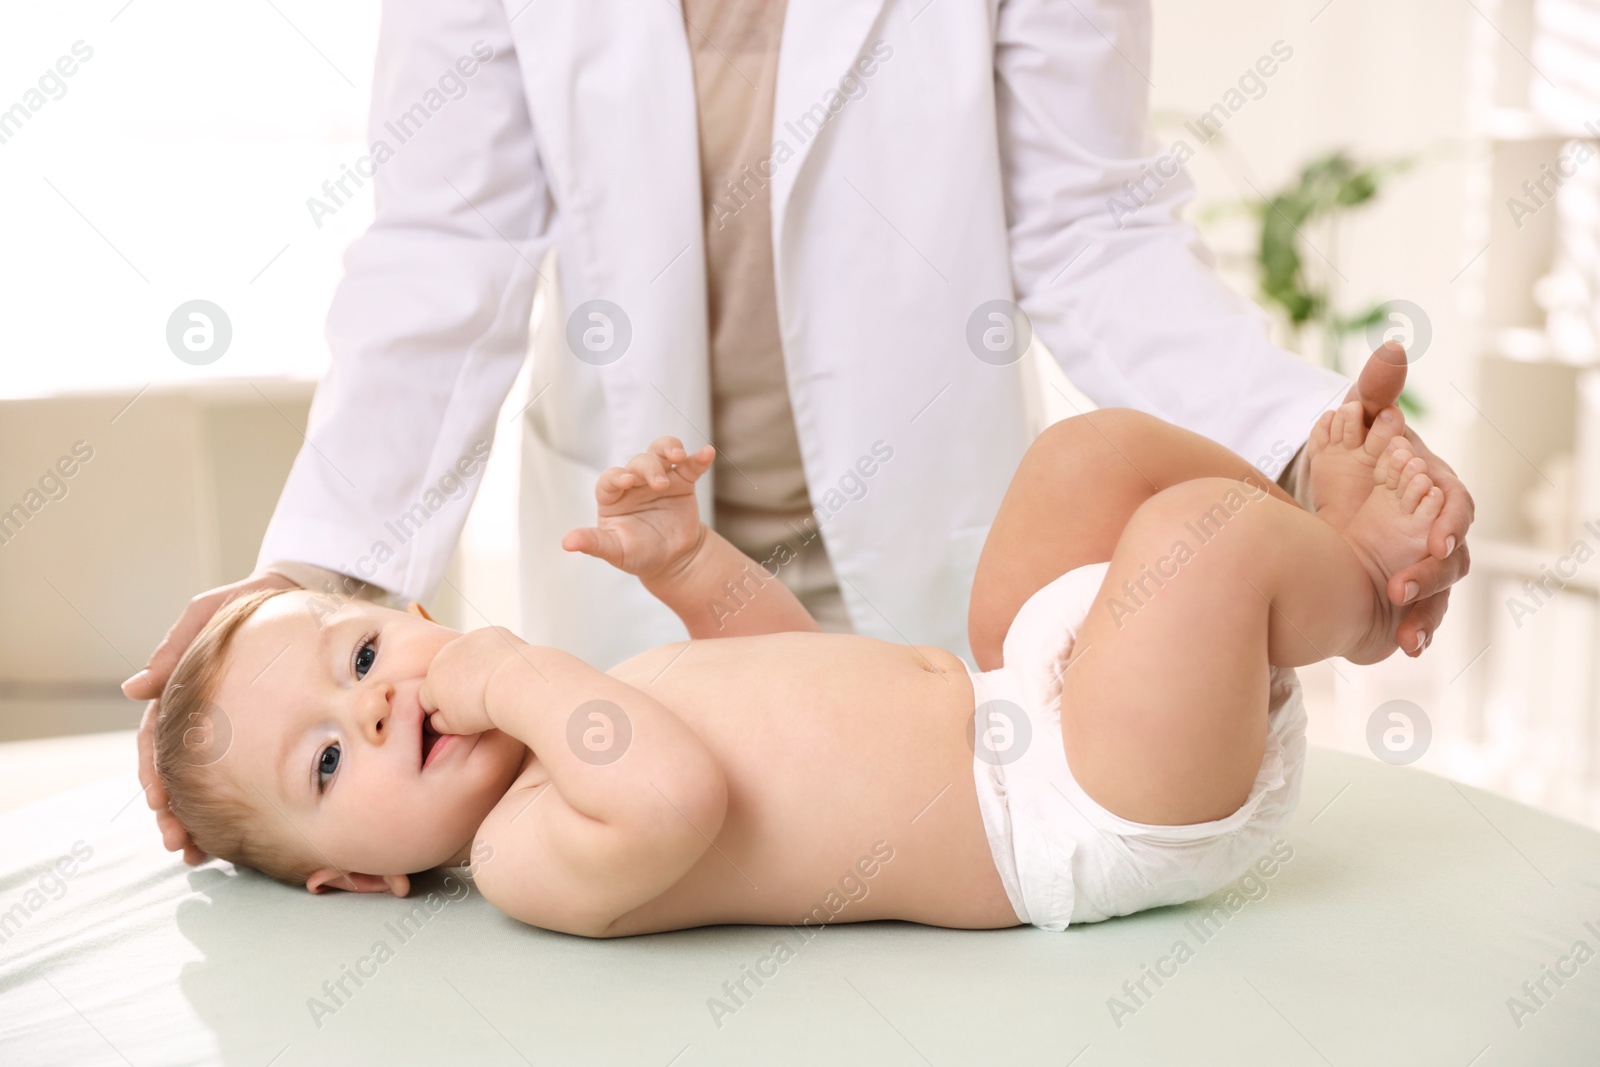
1062, 857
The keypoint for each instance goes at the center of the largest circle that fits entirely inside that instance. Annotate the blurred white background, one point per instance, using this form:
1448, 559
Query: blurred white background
176, 161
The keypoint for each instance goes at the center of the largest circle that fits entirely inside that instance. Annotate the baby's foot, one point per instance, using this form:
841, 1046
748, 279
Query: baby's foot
1342, 454
1389, 531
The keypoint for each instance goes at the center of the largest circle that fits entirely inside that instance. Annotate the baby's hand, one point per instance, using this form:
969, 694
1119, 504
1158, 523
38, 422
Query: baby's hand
454, 694
649, 524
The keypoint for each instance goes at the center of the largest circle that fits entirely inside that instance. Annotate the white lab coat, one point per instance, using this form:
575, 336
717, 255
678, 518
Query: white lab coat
976, 164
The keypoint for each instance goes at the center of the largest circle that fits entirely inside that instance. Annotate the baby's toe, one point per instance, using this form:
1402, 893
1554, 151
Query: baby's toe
1399, 456
1385, 427
1431, 504
1380, 469
1354, 424
1319, 434
1348, 424
1415, 484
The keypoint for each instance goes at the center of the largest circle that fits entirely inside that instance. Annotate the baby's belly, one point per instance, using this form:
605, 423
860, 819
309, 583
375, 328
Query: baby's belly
850, 787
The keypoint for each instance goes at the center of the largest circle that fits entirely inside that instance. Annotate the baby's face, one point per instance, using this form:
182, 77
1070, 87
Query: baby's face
328, 727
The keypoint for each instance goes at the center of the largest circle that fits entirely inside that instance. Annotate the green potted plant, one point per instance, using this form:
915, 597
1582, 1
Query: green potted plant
1326, 189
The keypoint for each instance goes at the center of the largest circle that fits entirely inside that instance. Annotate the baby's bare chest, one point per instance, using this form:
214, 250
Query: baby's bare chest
810, 703
833, 748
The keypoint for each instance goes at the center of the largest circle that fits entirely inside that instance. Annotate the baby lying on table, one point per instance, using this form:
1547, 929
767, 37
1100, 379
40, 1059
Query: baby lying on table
742, 775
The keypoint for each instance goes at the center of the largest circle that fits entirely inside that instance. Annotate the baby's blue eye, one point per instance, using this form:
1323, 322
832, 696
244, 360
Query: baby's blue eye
327, 763
366, 652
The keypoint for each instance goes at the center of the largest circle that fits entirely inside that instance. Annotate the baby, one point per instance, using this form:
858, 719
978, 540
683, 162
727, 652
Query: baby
1135, 736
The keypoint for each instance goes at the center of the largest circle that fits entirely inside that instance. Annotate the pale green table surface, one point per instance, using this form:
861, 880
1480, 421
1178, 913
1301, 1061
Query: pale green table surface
1412, 912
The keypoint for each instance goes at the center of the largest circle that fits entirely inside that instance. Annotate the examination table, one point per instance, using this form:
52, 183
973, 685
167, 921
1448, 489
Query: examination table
1416, 922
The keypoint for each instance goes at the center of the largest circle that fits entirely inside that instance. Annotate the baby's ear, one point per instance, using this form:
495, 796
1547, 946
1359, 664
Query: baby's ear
398, 884
417, 609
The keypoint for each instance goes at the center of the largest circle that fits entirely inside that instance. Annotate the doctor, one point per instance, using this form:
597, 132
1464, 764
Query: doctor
820, 238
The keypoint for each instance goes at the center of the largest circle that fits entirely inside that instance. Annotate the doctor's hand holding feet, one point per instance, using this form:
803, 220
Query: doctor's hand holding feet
1336, 492
649, 521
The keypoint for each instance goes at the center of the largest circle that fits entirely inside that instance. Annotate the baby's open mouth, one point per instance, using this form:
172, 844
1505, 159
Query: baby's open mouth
429, 738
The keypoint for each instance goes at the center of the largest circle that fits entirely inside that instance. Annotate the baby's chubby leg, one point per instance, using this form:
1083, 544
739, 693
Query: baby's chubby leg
1164, 699
1069, 500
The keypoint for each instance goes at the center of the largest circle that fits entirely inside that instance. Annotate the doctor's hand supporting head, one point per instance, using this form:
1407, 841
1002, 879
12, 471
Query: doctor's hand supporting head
148, 683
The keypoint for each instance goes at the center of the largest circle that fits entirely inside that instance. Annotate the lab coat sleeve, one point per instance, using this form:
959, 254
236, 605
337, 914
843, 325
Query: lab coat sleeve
1117, 286
429, 325
331, 587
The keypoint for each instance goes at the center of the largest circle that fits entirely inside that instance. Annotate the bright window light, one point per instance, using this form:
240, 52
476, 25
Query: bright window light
156, 152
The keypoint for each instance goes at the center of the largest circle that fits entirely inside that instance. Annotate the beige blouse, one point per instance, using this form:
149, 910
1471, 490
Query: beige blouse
760, 482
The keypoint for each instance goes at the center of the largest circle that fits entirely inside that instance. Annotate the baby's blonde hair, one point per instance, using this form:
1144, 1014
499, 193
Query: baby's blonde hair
192, 737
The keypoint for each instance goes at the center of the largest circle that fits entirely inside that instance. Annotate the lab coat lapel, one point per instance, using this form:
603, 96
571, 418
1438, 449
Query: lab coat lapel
821, 38
611, 89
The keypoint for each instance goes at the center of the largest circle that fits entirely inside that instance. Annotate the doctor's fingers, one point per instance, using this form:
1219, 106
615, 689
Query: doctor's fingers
148, 683
1428, 576
1448, 535
155, 794
1449, 530
1416, 630
1381, 380
174, 838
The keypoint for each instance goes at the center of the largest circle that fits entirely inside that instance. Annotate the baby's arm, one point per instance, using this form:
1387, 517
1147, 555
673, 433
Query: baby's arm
721, 592
648, 524
633, 799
